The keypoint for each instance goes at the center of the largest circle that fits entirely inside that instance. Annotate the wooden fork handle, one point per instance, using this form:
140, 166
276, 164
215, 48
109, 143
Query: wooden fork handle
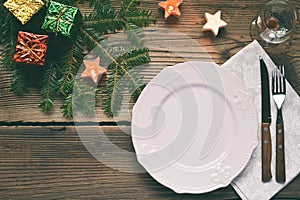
266, 152
280, 158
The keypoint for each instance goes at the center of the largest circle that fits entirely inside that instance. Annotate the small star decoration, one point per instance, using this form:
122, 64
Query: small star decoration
93, 69
171, 7
214, 23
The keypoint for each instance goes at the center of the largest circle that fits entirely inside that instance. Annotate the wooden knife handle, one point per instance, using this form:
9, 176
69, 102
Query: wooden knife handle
266, 152
280, 158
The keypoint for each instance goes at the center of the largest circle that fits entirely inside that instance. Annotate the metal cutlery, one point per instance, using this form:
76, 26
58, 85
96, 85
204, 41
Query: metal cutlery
266, 121
279, 93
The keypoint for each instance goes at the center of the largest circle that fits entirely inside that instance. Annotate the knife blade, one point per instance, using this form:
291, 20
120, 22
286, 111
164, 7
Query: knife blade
266, 121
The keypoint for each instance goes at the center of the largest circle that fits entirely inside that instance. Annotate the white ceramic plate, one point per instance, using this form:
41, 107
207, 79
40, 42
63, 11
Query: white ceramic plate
194, 127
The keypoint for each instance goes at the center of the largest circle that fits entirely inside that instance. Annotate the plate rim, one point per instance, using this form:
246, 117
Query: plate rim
249, 151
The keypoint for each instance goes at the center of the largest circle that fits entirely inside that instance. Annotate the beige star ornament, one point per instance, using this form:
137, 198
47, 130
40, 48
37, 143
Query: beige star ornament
93, 69
214, 23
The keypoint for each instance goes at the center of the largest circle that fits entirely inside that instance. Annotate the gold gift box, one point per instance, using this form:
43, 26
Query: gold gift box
23, 10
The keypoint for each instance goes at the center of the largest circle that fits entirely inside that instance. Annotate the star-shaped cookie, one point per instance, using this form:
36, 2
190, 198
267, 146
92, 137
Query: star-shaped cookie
214, 23
93, 69
171, 7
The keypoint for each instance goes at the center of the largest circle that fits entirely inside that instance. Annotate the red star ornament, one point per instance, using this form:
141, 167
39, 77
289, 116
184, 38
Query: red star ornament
214, 23
93, 69
171, 7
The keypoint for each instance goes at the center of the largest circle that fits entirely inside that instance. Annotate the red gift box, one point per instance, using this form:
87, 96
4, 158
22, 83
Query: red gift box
31, 48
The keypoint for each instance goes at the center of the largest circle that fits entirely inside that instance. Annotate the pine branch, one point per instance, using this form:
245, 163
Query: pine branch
119, 82
103, 8
135, 58
9, 38
103, 25
66, 2
91, 37
134, 83
70, 64
3, 18
140, 18
130, 80
112, 98
127, 62
129, 18
103, 19
48, 89
84, 98
94, 41
70, 2
127, 7
78, 95
119, 67
81, 100
67, 106
136, 93
18, 84
135, 35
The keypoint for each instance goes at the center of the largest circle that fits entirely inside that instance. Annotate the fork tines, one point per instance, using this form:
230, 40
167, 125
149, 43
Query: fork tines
278, 80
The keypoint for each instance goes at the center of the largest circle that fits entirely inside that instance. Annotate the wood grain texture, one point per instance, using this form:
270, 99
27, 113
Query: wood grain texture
280, 156
266, 153
238, 14
52, 163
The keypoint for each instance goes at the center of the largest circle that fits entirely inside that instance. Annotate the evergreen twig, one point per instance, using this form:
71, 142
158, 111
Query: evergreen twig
18, 85
60, 75
48, 88
70, 64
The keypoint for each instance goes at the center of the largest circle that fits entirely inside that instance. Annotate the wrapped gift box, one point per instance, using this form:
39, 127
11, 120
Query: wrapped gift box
61, 19
23, 10
31, 48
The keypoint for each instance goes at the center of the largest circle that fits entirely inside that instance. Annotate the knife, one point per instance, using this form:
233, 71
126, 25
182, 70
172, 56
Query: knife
266, 121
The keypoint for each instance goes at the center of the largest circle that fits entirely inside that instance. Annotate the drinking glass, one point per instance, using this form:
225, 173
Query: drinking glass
274, 23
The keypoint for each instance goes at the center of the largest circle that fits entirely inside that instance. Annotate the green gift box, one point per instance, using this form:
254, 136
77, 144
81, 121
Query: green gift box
61, 18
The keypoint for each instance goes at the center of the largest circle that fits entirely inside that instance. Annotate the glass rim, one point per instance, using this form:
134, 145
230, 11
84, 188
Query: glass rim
290, 6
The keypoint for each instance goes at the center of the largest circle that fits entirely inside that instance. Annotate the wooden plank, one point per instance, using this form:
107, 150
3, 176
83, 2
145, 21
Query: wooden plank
234, 37
52, 163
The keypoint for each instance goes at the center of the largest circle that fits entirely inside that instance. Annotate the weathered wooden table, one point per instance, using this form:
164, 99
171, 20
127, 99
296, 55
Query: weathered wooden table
42, 156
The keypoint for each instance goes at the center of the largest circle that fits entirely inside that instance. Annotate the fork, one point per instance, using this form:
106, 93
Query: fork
279, 93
